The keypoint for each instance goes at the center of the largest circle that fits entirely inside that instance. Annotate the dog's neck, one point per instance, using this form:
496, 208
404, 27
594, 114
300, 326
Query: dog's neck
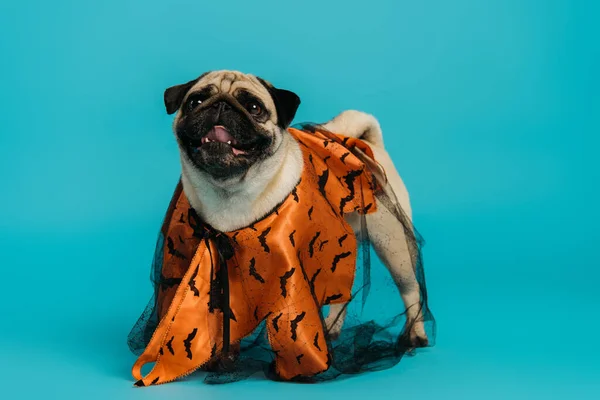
232, 205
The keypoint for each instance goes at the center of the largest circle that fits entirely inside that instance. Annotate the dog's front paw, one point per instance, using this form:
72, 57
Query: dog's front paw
335, 320
224, 362
334, 328
417, 336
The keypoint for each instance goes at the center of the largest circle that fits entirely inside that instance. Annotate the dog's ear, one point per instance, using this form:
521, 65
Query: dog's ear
175, 94
286, 103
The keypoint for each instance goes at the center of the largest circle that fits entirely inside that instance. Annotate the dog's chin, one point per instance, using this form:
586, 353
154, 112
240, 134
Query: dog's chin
223, 158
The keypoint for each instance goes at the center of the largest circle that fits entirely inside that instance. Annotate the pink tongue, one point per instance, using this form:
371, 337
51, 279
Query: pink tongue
219, 134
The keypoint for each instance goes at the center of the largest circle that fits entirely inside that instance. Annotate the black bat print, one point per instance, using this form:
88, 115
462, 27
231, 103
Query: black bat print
276, 321
343, 157
323, 243
283, 281
253, 272
292, 238
311, 245
341, 239
170, 346
188, 343
172, 250
294, 324
316, 342
192, 283
298, 358
310, 211
262, 238
337, 259
329, 299
322, 183
295, 195
349, 179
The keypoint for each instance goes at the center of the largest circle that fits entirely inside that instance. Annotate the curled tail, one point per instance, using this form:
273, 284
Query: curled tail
357, 124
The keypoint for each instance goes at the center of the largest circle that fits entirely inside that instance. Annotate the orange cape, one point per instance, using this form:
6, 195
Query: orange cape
216, 288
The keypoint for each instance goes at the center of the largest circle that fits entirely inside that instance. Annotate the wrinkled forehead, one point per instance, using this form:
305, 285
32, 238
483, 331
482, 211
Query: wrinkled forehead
233, 81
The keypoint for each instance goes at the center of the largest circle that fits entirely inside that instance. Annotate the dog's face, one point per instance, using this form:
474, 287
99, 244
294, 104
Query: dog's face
228, 121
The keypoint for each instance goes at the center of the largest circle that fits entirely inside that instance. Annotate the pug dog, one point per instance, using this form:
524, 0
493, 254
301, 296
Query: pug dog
239, 162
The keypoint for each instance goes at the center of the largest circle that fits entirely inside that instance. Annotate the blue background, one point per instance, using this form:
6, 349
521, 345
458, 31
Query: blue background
490, 109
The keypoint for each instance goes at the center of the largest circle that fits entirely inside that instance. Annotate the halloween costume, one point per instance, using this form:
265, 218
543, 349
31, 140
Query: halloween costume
265, 286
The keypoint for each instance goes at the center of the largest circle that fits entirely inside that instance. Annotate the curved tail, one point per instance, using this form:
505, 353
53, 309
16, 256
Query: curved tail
357, 124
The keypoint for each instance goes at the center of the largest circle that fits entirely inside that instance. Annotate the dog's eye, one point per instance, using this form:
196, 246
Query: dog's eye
253, 108
194, 101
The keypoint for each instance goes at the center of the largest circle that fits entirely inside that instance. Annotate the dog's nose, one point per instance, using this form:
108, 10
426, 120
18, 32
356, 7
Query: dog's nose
222, 106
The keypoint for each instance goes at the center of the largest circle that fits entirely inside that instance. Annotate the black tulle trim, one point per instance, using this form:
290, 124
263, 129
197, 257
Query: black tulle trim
375, 334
